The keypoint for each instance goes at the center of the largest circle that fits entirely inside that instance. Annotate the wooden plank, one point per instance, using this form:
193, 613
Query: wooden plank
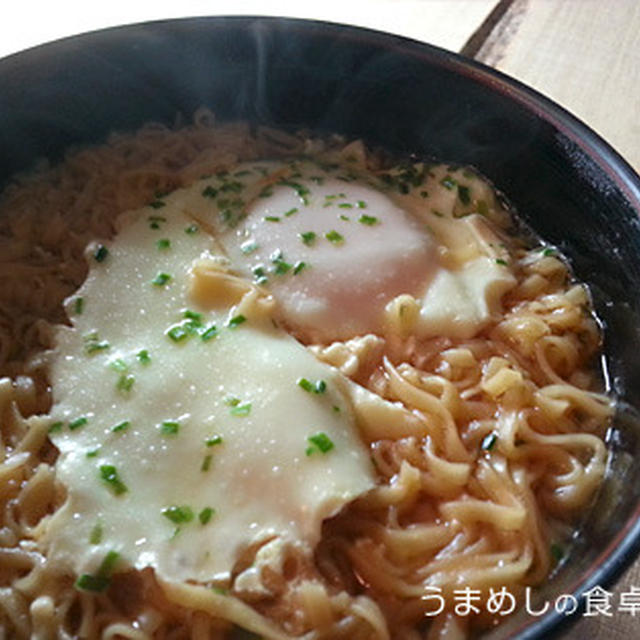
584, 54
446, 23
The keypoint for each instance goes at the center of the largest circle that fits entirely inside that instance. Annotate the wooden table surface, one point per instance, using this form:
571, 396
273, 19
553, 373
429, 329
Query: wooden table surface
584, 54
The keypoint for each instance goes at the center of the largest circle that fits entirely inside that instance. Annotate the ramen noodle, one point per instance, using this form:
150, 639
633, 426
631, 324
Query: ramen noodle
268, 383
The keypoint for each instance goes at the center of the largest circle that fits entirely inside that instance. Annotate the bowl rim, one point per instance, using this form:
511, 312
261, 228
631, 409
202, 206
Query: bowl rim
625, 546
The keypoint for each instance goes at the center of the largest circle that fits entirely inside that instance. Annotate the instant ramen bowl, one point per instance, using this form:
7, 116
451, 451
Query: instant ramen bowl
407, 98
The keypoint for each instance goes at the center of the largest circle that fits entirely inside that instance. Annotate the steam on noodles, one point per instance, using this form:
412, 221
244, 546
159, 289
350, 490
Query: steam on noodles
393, 394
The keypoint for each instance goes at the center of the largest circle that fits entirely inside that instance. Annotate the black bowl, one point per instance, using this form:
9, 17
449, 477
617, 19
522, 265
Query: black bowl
409, 98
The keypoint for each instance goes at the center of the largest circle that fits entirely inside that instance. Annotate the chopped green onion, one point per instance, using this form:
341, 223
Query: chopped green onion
320, 386
56, 426
319, 442
368, 220
345, 205
99, 582
241, 409
206, 463
77, 423
154, 221
108, 564
157, 204
557, 552
266, 192
336, 408
548, 251
191, 229
121, 426
163, 244
291, 212
109, 475
501, 262
95, 345
209, 192
298, 267
334, 237
308, 237
205, 515
226, 215
95, 537
93, 453
209, 333
119, 365
192, 315
260, 275
282, 266
161, 279
193, 320
248, 247
101, 253
169, 428
236, 321
213, 441
361, 204
178, 514
271, 218
424, 194
448, 182
78, 306
125, 382
464, 194
87, 582
345, 218
143, 356
233, 186
178, 332
489, 441
301, 190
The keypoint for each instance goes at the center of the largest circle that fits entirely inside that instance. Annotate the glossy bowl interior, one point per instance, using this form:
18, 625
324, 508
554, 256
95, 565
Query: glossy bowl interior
407, 97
